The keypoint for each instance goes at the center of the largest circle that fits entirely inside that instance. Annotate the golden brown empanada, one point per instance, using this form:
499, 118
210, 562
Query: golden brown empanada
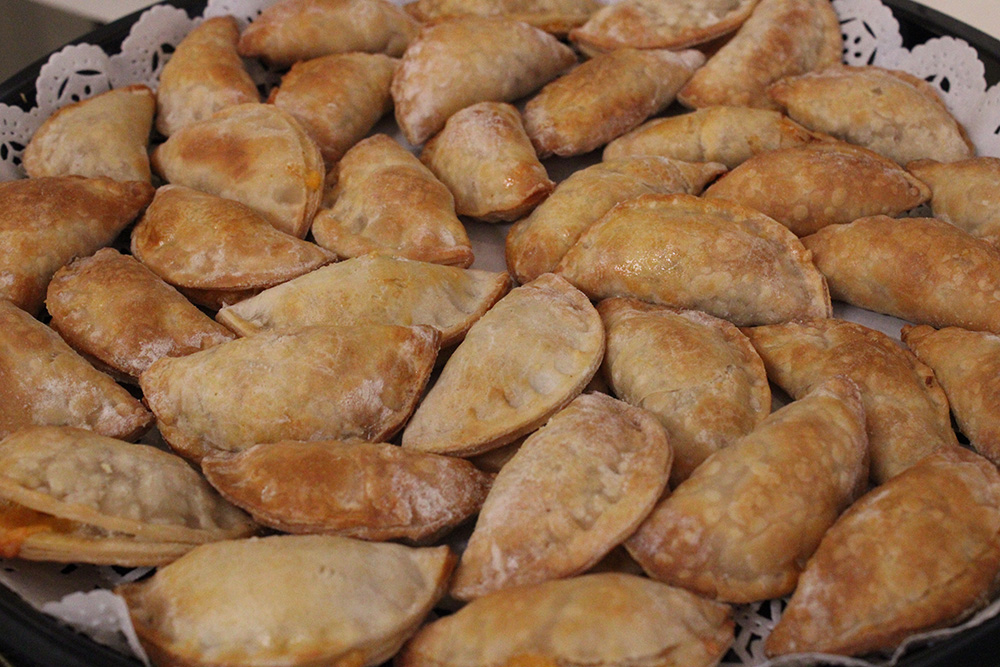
555, 16
698, 374
203, 75
535, 244
890, 112
337, 98
339, 602
920, 552
486, 159
386, 201
575, 489
46, 222
809, 187
218, 251
906, 410
526, 358
458, 62
602, 620
741, 527
604, 98
310, 383
44, 382
256, 154
781, 38
105, 135
293, 30
374, 288
715, 256
923, 270
964, 193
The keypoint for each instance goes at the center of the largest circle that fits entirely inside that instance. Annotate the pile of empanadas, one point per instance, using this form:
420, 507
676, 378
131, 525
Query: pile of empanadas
367, 447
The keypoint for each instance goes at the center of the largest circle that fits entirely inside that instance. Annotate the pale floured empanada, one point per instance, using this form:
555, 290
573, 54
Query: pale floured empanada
458, 62
522, 361
781, 38
204, 74
293, 30
536, 244
891, 112
43, 381
105, 135
555, 16
604, 98
809, 187
923, 270
367, 490
967, 364
310, 383
964, 193
741, 527
289, 600
337, 98
920, 552
46, 222
374, 288
601, 620
698, 374
486, 159
386, 201
710, 255
217, 251
256, 154
575, 489
906, 410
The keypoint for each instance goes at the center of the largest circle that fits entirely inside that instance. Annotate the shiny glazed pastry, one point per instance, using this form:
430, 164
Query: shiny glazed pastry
555, 16
964, 193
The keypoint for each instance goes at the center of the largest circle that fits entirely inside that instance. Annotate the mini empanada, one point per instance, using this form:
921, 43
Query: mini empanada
486, 159
386, 201
293, 30
964, 193
535, 244
905, 408
918, 553
460, 61
575, 489
256, 154
698, 374
204, 74
555, 16
521, 362
715, 256
218, 251
605, 97
46, 222
105, 135
781, 38
809, 187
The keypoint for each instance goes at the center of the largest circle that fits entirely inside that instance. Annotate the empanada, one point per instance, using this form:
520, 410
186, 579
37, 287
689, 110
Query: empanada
891, 112
715, 256
920, 552
458, 62
809, 187
386, 201
105, 135
46, 222
218, 251
575, 489
204, 74
339, 602
964, 193
310, 383
256, 154
605, 97
906, 409
555, 16
781, 38
486, 159
698, 374
293, 30
535, 244
526, 358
